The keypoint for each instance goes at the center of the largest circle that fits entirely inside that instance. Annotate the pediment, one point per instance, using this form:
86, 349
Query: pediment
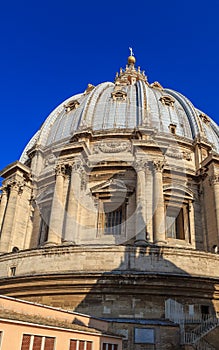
178, 190
110, 186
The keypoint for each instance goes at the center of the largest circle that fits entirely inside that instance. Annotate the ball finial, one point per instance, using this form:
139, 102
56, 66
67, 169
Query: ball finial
131, 60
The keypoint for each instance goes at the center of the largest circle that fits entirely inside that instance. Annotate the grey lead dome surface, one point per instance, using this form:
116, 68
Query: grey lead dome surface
125, 106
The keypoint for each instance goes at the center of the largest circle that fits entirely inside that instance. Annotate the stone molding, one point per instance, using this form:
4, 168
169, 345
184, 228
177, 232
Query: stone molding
112, 147
174, 153
178, 154
188, 260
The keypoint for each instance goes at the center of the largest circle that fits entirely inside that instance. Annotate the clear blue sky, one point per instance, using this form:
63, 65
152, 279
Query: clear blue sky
51, 50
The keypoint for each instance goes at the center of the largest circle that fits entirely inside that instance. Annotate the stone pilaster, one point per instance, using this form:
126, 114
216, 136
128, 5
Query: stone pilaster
191, 223
29, 224
36, 156
215, 185
149, 201
140, 203
72, 219
158, 207
4, 199
57, 212
7, 232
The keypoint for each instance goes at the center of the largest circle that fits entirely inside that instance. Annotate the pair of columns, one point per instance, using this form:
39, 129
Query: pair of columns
214, 182
150, 216
64, 220
8, 210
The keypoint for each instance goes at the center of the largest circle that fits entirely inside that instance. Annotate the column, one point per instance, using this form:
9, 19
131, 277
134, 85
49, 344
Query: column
191, 223
140, 204
149, 201
72, 220
215, 184
4, 198
57, 212
29, 226
158, 207
9, 219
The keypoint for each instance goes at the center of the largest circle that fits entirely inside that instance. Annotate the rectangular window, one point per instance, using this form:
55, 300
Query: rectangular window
144, 336
89, 345
13, 271
37, 342
26, 342
76, 344
205, 312
49, 344
1, 333
44, 225
81, 345
175, 223
191, 310
113, 222
73, 344
109, 346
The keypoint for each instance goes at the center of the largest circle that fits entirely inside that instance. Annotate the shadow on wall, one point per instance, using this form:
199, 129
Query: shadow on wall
147, 296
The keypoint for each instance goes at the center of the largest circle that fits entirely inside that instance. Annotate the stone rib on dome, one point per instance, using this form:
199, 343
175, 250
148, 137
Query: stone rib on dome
126, 106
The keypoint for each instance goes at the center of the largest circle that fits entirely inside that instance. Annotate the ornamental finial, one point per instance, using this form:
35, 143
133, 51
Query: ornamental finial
131, 58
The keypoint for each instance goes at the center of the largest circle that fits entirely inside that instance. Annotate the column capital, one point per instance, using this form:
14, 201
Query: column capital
16, 186
139, 165
60, 169
214, 180
77, 165
4, 190
158, 165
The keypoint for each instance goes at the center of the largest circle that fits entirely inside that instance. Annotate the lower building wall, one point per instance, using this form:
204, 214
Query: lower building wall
150, 337
12, 335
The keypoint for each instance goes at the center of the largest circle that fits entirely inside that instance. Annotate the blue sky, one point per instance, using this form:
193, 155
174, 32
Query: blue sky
51, 50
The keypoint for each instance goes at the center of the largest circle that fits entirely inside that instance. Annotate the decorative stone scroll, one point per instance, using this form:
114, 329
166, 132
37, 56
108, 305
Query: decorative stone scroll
174, 153
112, 147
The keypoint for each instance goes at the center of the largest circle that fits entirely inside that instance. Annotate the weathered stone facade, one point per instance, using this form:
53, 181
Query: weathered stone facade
113, 210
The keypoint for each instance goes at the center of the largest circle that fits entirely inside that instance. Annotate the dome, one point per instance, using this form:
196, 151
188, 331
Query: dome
113, 211
128, 103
